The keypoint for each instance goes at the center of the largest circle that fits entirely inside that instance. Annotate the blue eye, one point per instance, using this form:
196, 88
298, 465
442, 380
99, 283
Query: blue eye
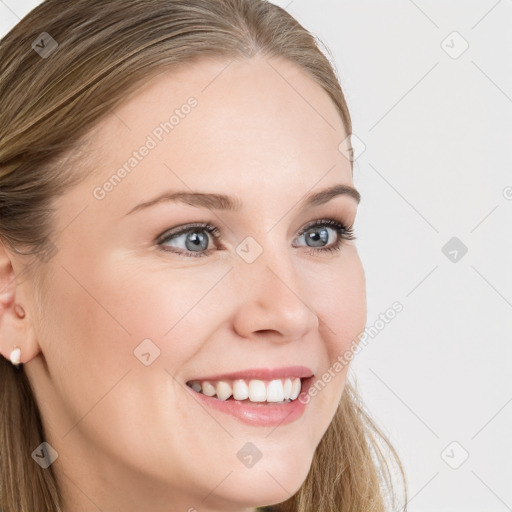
343, 232
191, 242
196, 241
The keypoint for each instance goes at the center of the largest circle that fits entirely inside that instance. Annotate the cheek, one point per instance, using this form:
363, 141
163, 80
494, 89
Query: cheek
341, 305
169, 312
106, 393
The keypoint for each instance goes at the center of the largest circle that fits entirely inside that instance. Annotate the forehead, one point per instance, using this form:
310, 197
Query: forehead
230, 123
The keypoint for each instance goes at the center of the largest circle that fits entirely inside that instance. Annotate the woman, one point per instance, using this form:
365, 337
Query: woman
178, 273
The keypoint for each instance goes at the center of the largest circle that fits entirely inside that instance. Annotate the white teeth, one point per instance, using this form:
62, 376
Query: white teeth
257, 391
223, 390
208, 389
277, 390
295, 389
287, 388
240, 390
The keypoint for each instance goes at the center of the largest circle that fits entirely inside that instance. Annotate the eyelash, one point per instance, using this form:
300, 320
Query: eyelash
344, 233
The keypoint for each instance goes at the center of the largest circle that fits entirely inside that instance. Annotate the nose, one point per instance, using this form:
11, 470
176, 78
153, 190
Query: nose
271, 302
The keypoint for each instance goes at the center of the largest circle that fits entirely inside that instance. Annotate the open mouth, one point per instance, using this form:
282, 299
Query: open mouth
259, 403
275, 391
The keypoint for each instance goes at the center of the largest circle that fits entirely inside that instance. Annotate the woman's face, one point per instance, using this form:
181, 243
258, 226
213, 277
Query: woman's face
130, 318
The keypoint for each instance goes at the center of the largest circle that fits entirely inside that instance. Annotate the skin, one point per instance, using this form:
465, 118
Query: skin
128, 434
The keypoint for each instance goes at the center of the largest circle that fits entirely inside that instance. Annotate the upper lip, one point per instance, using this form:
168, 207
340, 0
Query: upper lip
262, 374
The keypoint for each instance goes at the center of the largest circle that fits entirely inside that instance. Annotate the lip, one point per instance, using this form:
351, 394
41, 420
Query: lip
302, 372
261, 414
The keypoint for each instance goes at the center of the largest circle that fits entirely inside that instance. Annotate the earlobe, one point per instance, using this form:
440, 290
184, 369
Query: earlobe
16, 336
10, 314
15, 357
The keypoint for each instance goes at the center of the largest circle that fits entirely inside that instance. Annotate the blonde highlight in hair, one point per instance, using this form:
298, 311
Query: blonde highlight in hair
48, 108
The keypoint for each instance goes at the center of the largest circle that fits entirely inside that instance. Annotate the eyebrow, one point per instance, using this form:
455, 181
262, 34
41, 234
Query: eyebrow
224, 202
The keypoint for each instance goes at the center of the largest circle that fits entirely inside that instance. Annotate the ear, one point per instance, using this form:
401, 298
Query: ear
16, 326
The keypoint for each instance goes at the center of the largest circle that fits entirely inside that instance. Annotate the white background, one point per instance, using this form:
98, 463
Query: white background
436, 125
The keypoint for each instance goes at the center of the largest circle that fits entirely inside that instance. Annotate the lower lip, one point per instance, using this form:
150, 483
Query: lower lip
261, 414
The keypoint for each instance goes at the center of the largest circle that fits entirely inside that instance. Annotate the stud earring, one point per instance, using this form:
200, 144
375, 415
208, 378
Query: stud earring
15, 357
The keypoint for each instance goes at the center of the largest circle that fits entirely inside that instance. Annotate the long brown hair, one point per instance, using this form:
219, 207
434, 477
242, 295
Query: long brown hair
92, 54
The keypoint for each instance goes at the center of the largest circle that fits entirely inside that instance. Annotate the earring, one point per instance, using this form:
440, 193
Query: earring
15, 357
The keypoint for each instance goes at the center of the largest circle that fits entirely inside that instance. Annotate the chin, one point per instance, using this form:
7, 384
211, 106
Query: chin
267, 483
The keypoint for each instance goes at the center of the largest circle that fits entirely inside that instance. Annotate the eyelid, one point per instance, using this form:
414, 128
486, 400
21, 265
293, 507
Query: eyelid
215, 231
184, 228
317, 222
344, 231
